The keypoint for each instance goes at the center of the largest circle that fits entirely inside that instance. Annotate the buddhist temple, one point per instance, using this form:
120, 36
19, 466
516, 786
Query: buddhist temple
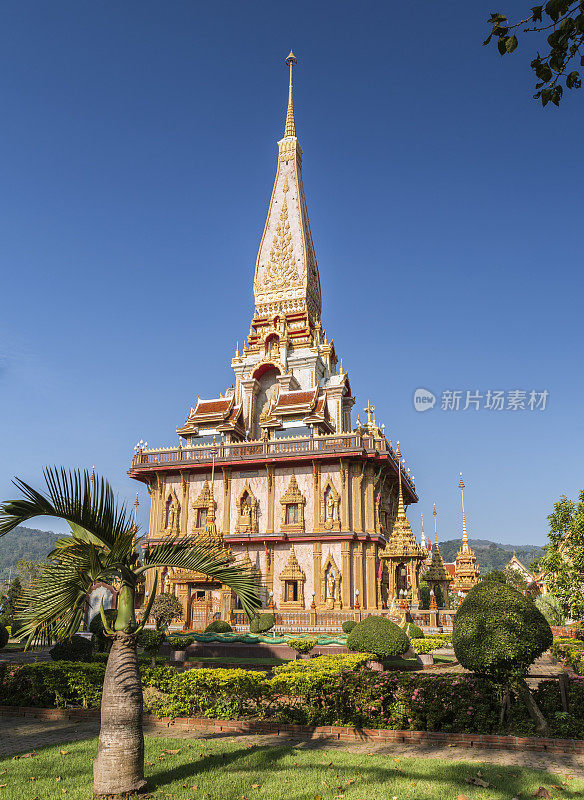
467, 570
273, 469
437, 576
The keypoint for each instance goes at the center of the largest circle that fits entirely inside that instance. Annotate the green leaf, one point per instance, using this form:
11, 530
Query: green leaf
536, 11
502, 45
573, 80
511, 43
579, 22
488, 39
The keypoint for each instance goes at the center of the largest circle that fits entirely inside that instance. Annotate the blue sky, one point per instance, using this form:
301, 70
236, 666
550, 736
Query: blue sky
139, 145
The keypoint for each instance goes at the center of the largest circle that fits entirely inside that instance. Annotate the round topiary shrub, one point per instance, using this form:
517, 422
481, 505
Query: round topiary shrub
413, 632
78, 648
499, 632
262, 623
378, 636
180, 642
219, 626
3, 637
348, 625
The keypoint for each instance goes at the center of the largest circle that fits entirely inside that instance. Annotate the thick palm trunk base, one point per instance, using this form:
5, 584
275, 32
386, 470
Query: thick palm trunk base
119, 766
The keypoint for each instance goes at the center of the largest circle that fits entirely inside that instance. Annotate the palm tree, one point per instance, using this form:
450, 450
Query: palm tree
103, 547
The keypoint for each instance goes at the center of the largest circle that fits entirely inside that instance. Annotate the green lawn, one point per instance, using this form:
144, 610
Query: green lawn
233, 770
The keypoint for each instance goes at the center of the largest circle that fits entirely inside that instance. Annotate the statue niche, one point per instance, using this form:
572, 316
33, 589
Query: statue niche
330, 507
247, 511
330, 584
171, 514
292, 508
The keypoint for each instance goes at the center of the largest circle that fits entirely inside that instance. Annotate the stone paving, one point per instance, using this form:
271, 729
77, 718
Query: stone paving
24, 734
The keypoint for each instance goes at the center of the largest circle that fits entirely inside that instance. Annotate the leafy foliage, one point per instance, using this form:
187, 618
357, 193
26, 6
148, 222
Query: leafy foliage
180, 642
412, 631
498, 632
25, 543
100, 641
492, 555
561, 24
302, 646
219, 626
77, 648
348, 625
150, 641
261, 623
165, 608
379, 636
430, 643
3, 637
551, 608
439, 597
571, 651
424, 595
563, 562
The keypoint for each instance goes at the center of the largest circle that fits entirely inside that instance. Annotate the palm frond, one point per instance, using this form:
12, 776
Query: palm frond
70, 496
218, 565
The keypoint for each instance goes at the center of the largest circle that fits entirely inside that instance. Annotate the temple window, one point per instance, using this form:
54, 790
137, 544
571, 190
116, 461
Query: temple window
291, 591
293, 502
201, 517
292, 514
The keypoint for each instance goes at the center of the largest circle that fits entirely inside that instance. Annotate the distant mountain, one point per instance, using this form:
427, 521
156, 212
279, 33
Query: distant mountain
492, 555
24, 543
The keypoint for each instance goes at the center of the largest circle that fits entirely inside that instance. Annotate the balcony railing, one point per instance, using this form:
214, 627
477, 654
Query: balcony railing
274, 448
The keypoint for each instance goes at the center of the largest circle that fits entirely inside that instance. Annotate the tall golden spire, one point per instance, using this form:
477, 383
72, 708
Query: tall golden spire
435, 528
465, 547
401, 512
290, 128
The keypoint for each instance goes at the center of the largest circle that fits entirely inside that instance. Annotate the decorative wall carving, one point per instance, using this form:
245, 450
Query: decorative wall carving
293, 502
292, 580
330, 584
330, 507
170, 521
247, 511
201, 508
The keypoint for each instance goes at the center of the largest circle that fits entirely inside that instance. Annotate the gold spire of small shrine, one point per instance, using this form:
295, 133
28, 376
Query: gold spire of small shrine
401, 512
437, 571
290, 127
465, 547
435, 528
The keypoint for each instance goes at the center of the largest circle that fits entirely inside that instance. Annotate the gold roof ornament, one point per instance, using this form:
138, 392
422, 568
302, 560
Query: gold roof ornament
467, 570
437, 571
402, 542
290, 127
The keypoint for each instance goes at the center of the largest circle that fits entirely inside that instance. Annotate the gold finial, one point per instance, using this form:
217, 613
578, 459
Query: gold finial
435, 528
290, 128
465, 547
401, 512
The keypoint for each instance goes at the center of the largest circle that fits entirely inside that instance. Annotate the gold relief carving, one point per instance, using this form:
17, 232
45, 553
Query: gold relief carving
330, 507
201, 507
280, 271
293, 502
170, 521
292, 580
330, 584
247, 511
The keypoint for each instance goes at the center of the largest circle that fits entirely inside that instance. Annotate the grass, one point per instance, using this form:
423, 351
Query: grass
217, 769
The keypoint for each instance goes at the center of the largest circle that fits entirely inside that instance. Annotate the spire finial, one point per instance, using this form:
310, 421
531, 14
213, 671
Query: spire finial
435, 527
290, 128
401, 512
465, 547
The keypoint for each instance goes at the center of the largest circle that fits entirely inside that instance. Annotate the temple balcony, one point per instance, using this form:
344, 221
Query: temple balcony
273, 450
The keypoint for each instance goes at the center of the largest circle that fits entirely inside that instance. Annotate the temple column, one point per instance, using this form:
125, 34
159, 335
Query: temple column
357, 514
346, 574
153, 492
344, 496
271, 497
269, 568
369, 508
226, 500
371, 576
184, 509
358, 567
316, 526
316, 569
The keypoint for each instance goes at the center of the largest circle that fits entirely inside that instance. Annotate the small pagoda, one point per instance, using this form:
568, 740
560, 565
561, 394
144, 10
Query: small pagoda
467, 569
437, 575
402, 555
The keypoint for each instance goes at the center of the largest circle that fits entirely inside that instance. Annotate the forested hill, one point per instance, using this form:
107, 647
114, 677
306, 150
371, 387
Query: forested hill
24, 543
492, 555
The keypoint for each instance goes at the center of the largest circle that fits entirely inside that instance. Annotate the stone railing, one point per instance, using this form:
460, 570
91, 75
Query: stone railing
225, 452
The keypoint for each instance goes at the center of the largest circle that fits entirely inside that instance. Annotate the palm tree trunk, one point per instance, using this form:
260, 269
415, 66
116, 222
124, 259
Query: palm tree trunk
119, 766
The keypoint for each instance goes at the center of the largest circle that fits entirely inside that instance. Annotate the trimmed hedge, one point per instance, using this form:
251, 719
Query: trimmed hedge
78, 648
219, 626
571, 651
302, 646
498, 631
412, 631
378, 636
262, 623
4, 636
348, 625
428, 644
52, 685
180, 642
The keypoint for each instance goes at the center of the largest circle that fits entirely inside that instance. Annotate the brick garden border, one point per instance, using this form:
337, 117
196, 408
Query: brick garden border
338, 732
